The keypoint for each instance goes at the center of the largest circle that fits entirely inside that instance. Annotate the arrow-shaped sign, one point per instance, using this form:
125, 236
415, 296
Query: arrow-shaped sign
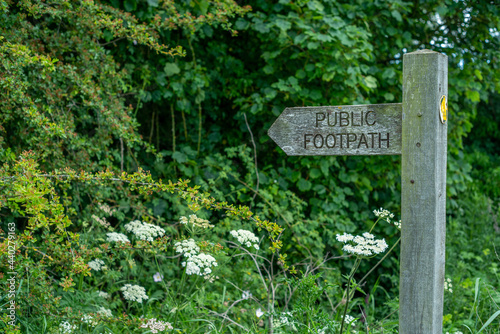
339, 130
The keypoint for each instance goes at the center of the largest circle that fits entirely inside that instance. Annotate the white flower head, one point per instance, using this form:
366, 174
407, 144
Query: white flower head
67, 328
362, 245
448, 286
345, 237
368, 235
156, 325
259, 313
105, 312
106, 209
349, 319
117, 237
200, 264
134, 293
284, 318
187, 247
246, 238
144, 231
103, 294
210, 278
88, 319
96, 264
387, 216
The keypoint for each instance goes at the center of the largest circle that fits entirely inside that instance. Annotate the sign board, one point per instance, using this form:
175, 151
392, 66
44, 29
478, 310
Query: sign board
416, 129
339, 130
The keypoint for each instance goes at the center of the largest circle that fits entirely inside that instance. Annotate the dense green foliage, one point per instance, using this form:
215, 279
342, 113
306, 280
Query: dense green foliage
188, 90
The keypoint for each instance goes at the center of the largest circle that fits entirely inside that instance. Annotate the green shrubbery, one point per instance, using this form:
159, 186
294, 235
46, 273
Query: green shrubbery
187, 90
184, 276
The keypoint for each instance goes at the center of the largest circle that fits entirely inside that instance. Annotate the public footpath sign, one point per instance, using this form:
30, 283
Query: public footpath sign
417, 130
341, 130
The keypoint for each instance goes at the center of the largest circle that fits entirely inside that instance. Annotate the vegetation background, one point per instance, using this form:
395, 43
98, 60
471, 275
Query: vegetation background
188, 89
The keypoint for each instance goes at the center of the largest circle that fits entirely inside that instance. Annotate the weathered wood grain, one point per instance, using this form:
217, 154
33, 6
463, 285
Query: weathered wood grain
423, 177
339, 130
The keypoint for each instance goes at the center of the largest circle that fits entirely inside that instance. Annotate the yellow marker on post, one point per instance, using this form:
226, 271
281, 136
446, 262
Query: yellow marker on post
443, 109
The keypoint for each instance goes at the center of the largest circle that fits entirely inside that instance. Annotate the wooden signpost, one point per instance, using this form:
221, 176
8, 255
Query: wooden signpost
416, 129
342, 130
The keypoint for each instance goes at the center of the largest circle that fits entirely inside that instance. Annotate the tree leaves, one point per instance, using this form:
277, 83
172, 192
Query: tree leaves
171, 69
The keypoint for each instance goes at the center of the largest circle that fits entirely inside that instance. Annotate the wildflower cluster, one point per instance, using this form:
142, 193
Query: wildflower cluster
365, 245
187, 247
285, 320
66, 327
157, 326
144, 231
246, 238
105, 312
106, 209
210, 278
101, 221
134, 293
349, 319
96, 264
117, 237
387, 216
88, 319
103, 294
199, 264
195, 221
447, 285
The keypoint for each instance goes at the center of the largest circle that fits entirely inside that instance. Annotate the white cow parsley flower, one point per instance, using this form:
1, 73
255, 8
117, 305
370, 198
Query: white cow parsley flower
96, 264
200, 264
107, 210
105, 312
144, 231
246, 238
117, 237
103, 294
285, 318
66, 327
448, 286
88, 319
156, 325
349, 319
187, 247
387, 216
345, 237
365, 245
102, 221
134, 293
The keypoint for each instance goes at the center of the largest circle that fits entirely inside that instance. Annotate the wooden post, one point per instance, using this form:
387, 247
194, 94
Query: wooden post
423, 195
